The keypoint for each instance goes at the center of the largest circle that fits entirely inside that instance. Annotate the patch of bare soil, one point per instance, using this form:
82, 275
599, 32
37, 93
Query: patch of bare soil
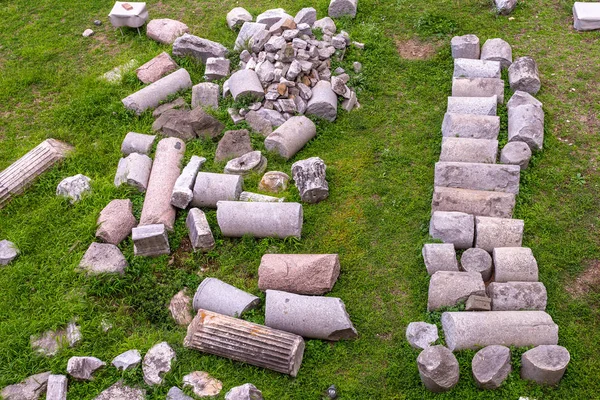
588, 280
414, 49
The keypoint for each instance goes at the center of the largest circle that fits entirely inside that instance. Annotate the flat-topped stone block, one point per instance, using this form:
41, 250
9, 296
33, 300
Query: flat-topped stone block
277, 220
439, 257
526, 124
477, 260
523, 75
211, 188
469, 68
497, 50
478, 87
478, 176
474, 202
469, 150
150, 240
199, 231
205, 94
472, 105
152, 95
438, 369
516, 296
456, 228
449, 288
233, 144
514, 264
291, 136
545, 364
57, 387
477, 302
498, 232
217, 296
471, 126
137, 143
466, 46
491, 366
586, 16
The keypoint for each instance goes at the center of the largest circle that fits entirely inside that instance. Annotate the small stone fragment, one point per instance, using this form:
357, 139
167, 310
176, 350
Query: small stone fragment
50, 342
202, 384
118, 391
177, 394
478, 303
8, 252
134, 170
74, 187
245, 392
237, 16
156, 68
56, 387
29, 389
127, 360
116, 221
97, 22
150, 240
199, 231
438, 368
115, 75
180, 308
165, 30
440, 257
274, 181
233, 144
205, 94
516, 153
421, 335
306, 16
103, 258
252, 162
82, 368
179, 104
545, 364
272, 16
466, 46
326, 25
87, 33
491, 366
137, 143
157, 362
505, 7
477, 260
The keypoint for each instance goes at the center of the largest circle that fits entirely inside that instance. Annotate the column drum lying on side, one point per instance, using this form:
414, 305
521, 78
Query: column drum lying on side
277, 220
478, 176
475, 202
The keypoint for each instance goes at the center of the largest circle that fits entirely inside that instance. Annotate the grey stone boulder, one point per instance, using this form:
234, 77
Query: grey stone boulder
157, 362
310, 179
127, 360
469, 150
137, 143
165, 30
526, 124
177, 394
456, 228
471, 126
8, 252
498, 232
199, 231
438, 369
291, 136
520, 98
323, 102
57, 387
478, 87
325, 24
182, 190
177, 104
586, 16
421, 335
152, 95
472, 105
306, 15
245, 84
497, 50
202, 384
545, 364
233, 144
150, 240
180, 308
118, 391
31, 388
134, 170
469, 68
523, 75
250, 32
116, 221
515, 264
505, 7
82, 368
439, 257
478, 176
260, 219
198, 48
156, 68
342, 8
274, 181
272, 16
259, 123
466, 46
50, 342
237, 16
217, 296
477, 260
308, 316
204, 125
103, 258
516, 296
252, 162
216, 68
475, 202
205, 94
273, 116
74, 187
210, 188
249, 196
449, 288
491, 366
246, 391
516, 153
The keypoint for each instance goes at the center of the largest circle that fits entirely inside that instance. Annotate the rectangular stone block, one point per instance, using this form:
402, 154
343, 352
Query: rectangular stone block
150, 240
449, 288
453, 227
478, 176
586, 16
478, 87
471, 126
474, 202
469, 150
514, 264
498, 232
439, 257
516, 296
473, 105
57, 387
469, 68
478, 303
199, 231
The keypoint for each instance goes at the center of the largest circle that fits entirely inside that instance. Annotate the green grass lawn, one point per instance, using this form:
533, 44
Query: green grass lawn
380, 163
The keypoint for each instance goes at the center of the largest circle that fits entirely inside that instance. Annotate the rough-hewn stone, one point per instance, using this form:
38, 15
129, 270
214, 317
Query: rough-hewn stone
202, 384
116, 221
199, 231
57, 387
137, 143
127, 360
157, 362
497, 50
523, 75
118, 391
491, 366
516, 153
29, 389
252, 162
439, 257
449, 288
74, 187
505, 7
274, 181
342, 8
180, 308
438, 369
237, 16
466, 46
323, 102
205, 94
421, 335
526, 124
456, 228
475, 202
516, 296
82, 368
198, 48
478, 303
246, 391
103, 258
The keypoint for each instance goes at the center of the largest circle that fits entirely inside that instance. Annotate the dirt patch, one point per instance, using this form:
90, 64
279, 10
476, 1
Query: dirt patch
588, 280
414, 49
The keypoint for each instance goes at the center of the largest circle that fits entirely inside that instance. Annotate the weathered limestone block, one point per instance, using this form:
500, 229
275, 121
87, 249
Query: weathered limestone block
526, 124
245, 392
216, 68
182, 190
439, 257
478, 87
478, 176
217, 296
8, 252
477, 260
491, 366
473, 330
237, 16
449, 288
270, 17
249, 196
202, 384
472, 105
323, 102
259, 123
29, 389
165, 30
309, 176
299, 273
520, 98
82, 368
260, 220
475, 202
199, 231
134, 170
469, 150
150, 240
21, 173
156, 68
74, 187
198, 48
103, 258
157, 362
157, 207
246, 342
516, 153
137, 143
121, 392
523, 75
498, 232
306, 15
515, 264
233, 144
180, 307
586, 16
211, 188
308, 316
469, 68
127, 360
245, 84
116, 221
497, 50
342, 8
456, 228
466, 46
57, 387
152, 95
505, 7
516, 296
291, 137
545, 364
471, 126
249, 32
421, 335
252, 162
478, 303
205, 94
438, 369
273, 116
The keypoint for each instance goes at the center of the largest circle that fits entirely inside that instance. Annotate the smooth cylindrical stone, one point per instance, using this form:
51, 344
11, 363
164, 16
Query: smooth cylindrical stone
165, 171
468, 68
199, 231
514, 264
309, 176
291, 136
475, 202
210, 188
277, 220
456, 228
299, 273
217, 296
523, 75
473, 330
473, 105
438, 369
545, 364
477, 260
478, 176
134, 170
516, 296
497, 50
478, 87
491, 366
245, 341
498, 232
323, 102
182, 191
526, 124
439, 257
469, 150
314, 317
471, 126
152, 95
56, 387
245, 84
249, 196
449, 288
137, 143
466, 46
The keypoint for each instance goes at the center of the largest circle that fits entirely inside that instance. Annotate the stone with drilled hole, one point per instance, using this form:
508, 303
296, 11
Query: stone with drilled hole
421, 335
252, 162
438, 369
